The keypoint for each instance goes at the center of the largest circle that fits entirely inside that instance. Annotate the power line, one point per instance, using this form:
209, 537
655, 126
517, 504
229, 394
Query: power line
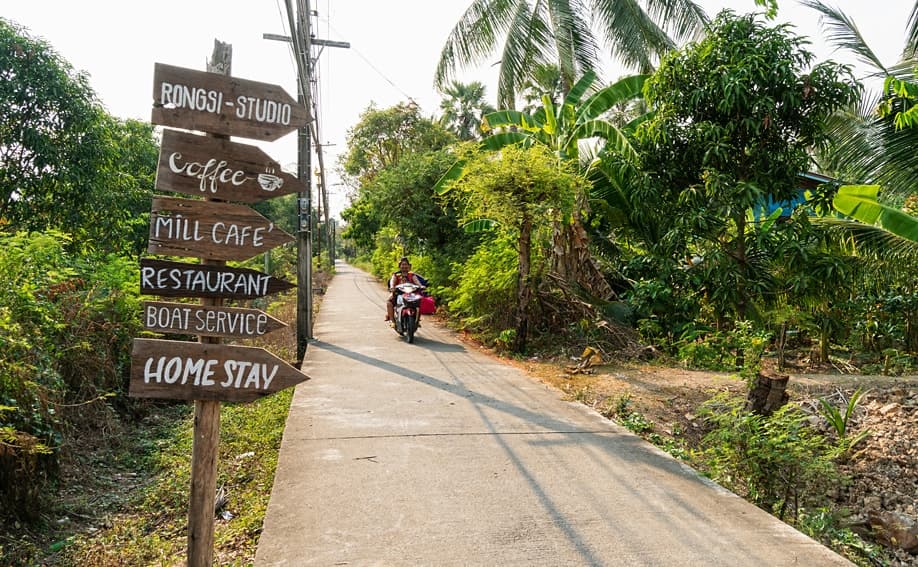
370, 63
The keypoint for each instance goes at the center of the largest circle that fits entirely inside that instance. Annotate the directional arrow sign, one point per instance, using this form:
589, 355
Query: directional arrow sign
177, 279
180, 370
220, 169
205, 229
218, 104
209, 321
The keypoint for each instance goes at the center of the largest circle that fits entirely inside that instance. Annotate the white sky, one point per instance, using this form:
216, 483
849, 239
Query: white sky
395, 45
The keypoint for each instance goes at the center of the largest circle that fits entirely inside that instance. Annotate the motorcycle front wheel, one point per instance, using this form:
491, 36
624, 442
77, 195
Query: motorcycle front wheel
410, 327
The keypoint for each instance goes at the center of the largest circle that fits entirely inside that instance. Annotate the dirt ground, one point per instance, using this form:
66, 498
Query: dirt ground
883, 493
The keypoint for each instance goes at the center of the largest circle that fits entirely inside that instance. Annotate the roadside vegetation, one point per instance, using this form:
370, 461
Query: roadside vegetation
732, 207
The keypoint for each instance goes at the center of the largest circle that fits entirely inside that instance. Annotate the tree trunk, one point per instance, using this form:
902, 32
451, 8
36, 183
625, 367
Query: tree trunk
572, 261
523, 293
741, 281
768, 394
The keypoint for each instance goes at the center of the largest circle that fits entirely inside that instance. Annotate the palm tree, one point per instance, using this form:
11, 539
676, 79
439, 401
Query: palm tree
530, 33
544, 79
574, 131
463, 106
869, 146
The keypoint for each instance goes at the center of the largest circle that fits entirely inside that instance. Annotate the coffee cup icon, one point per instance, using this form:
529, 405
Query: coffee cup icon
270, 182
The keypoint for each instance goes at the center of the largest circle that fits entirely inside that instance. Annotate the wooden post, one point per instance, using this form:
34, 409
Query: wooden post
206, 445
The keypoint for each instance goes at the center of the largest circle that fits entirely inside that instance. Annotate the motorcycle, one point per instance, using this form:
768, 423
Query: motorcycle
408, 310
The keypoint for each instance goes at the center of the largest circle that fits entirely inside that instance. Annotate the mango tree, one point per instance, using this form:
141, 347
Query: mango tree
735, 115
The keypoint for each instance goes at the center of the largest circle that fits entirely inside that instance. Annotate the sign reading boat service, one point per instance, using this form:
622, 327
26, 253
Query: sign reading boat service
220, 169
210, 230
176, 279
194, 371
187, 319
218, 104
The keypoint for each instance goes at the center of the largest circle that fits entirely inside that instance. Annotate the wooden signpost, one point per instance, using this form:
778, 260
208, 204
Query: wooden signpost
180, 370
177, 279
220, 169
187, 319
218, 104
216, 231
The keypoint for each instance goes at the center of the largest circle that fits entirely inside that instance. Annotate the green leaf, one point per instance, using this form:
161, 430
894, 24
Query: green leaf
454, 173
479, 225
624, 90
510, 118
860, 203
504, 139
616, 140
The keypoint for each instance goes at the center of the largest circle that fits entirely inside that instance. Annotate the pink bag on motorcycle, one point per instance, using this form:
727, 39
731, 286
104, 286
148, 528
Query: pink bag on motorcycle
428, 306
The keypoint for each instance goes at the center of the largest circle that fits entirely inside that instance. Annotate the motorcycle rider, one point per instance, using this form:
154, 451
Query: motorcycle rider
403, 275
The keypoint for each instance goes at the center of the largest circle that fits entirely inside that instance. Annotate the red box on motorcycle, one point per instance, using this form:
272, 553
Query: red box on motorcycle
428, 306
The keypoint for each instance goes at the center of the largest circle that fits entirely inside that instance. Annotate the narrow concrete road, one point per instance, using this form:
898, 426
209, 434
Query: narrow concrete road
436, 454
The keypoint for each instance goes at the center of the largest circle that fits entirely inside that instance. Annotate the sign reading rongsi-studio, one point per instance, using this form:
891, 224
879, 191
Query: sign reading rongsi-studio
219, 104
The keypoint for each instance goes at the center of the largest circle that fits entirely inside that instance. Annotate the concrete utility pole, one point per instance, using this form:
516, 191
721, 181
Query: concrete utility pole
302, 41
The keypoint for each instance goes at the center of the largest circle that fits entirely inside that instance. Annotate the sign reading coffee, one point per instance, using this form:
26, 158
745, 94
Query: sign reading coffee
220, 169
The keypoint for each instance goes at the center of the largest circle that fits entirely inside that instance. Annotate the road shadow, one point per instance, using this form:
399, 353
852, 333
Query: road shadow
620, 443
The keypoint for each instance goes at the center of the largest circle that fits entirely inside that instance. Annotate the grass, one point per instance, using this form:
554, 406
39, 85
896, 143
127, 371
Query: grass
152, 527
126, 502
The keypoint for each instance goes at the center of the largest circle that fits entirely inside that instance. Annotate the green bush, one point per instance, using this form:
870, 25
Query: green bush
778, 462
66, 325
486, 285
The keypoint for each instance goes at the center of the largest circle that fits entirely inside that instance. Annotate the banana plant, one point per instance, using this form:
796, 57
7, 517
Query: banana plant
562, 128
860, 202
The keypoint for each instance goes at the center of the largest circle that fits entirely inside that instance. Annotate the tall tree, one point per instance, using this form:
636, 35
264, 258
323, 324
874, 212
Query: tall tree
463, 105
735, 116
385, 148
531, 33
521, 190
64, 162
382, 137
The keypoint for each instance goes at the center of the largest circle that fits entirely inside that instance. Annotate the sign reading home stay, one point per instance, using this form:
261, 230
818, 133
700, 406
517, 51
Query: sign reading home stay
177, 279
194, 371
210, 230
220, 169
208, 321
219, 104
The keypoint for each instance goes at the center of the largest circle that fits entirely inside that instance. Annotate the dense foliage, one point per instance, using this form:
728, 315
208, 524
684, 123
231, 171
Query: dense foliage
66, 324
65, 164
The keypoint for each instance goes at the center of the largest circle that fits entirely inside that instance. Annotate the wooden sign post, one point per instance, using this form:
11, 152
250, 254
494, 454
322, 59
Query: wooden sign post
176, 279
219, 104
209, 230
218, 170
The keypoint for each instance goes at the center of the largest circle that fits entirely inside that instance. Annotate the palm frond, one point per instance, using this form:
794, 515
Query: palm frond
844, 34
474, 36
624, 90
630, 33
527, 37
685, 19
872, 241
911, 35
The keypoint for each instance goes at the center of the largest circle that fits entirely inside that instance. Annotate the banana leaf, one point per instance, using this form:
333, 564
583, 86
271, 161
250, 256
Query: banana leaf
860, 203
